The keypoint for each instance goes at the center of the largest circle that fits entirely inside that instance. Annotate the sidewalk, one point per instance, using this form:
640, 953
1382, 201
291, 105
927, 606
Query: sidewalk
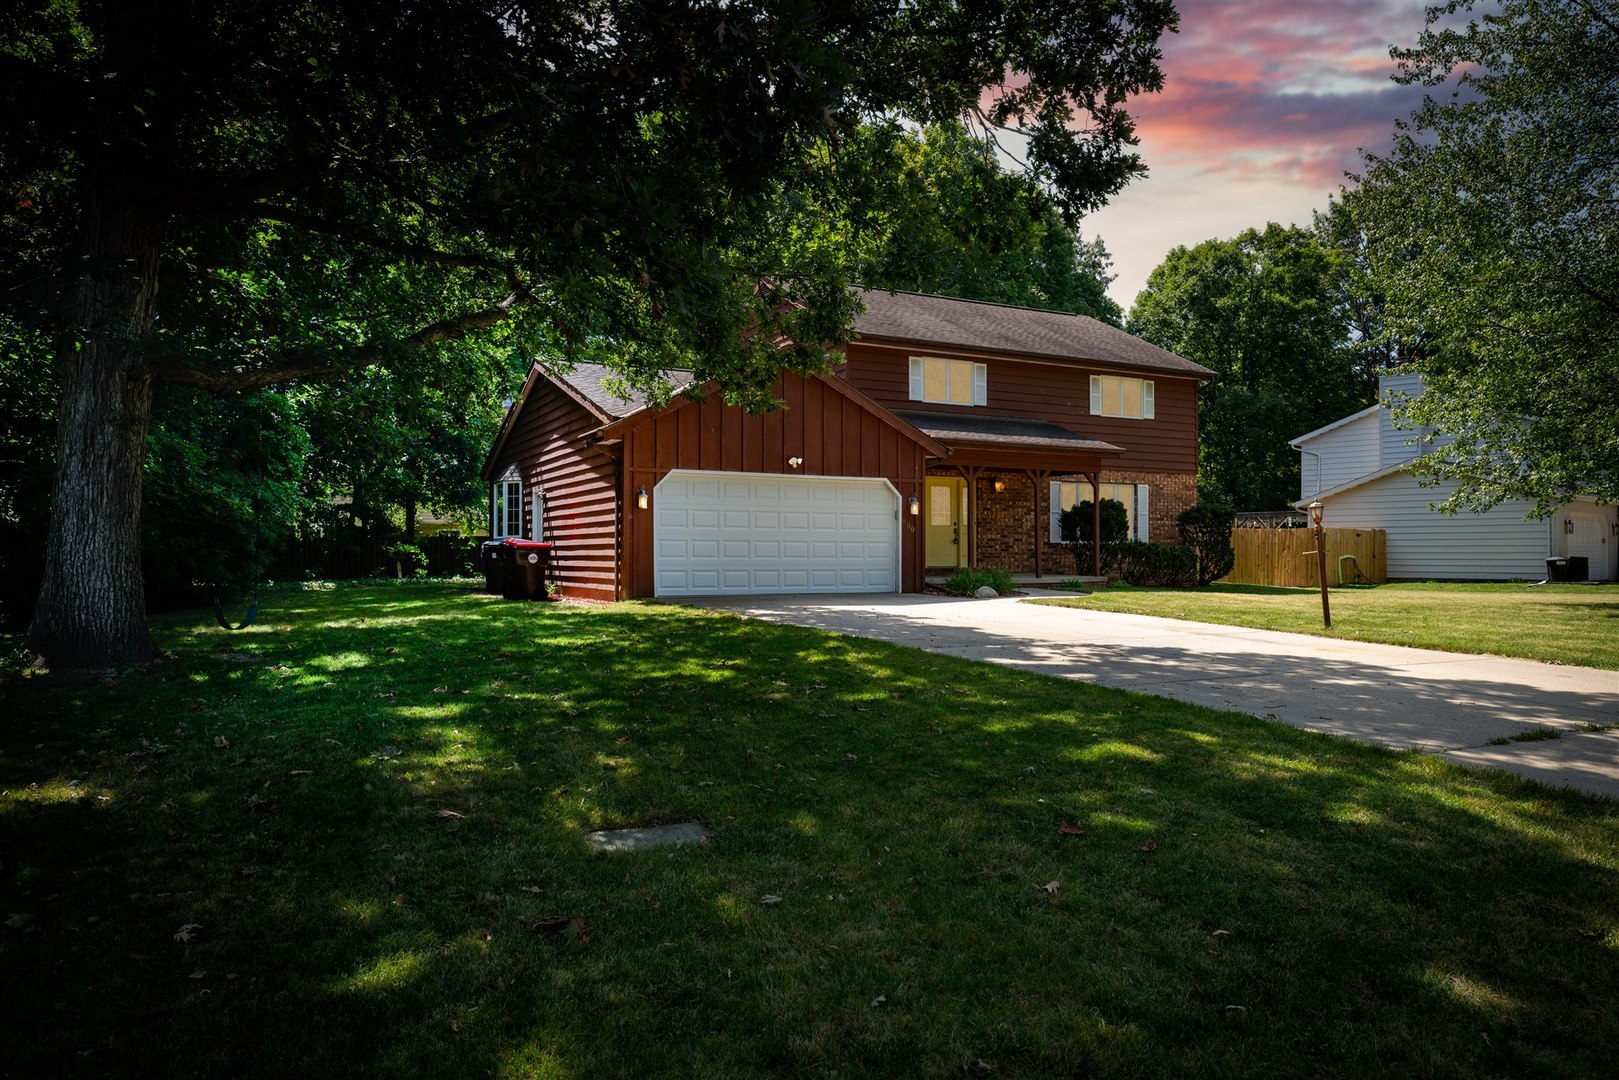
1449, 704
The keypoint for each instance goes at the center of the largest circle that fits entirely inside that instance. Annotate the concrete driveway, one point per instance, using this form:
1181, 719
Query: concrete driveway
1443, 703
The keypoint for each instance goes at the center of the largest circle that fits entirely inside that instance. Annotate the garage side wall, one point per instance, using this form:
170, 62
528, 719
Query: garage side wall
834, 435
1426, 545
580, 490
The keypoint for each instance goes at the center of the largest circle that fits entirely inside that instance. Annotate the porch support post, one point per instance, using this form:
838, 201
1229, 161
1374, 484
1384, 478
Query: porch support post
1037, 480
1096, 523
969, 473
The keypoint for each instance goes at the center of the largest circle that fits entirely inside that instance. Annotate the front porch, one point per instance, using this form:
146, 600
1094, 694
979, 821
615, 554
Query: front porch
989, 502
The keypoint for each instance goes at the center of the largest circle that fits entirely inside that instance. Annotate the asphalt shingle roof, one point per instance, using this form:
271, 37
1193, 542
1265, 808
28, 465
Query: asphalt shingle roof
950, 428
591, 381
999, 328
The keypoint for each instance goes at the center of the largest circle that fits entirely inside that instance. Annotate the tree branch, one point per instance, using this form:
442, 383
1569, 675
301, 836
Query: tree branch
251, 376
298, 219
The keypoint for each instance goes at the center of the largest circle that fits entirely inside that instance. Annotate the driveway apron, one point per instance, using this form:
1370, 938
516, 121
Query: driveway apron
1450, 704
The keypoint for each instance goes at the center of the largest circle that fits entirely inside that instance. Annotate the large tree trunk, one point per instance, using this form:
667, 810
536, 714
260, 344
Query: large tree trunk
92, 604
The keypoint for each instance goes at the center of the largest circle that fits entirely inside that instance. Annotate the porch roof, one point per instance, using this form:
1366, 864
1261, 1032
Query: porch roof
1003, 432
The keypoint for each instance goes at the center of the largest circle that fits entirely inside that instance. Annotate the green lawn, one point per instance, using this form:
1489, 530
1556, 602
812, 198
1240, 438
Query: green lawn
1560, 624
366, 812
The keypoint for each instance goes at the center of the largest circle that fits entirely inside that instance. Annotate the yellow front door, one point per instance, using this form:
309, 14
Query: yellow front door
946, 512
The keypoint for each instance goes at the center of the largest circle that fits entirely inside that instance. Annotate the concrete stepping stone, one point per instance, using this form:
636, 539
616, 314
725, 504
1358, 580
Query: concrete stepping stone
655, 836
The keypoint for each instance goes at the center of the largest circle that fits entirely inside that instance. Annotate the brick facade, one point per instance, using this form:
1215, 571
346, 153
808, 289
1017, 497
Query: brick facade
1006, 527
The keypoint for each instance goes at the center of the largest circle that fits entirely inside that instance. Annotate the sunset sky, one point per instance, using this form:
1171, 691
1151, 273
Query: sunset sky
1265, 105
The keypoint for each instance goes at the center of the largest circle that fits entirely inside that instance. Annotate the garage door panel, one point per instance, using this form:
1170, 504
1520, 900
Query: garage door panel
739, 535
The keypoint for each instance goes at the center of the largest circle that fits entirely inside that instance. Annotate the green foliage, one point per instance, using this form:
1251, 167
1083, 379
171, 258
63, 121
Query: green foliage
1140, 563
1205, 531
1267, 311
933, 211
1076, 527
223, 485
967, 581
1494, 235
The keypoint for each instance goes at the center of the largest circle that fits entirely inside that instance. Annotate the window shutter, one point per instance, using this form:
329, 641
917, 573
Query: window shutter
916, 378
495, 493
539, 514
1141, 506
980, 384
1055, 511
1146, 407
1096, 395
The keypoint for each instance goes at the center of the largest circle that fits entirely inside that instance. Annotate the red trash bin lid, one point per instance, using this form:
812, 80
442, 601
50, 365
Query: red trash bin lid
525, 545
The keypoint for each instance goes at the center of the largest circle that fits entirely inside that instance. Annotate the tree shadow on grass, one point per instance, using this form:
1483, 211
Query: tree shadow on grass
399, 803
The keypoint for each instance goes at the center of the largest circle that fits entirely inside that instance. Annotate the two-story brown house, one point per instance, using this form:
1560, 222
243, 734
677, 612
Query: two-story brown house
952, 434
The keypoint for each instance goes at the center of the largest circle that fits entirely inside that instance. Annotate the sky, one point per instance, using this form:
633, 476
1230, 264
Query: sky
1265, 106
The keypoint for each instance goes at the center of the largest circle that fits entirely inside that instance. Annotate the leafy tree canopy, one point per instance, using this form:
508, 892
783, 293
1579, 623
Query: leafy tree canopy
1270, 312
933, 210
232, 194
1493, 231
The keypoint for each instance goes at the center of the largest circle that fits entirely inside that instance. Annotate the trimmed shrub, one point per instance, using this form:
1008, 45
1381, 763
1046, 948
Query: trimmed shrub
1155, 564
967, 581
1205, 530
1074, 526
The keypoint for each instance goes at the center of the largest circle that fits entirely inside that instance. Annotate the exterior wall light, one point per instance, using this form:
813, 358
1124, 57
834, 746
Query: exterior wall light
794, 462
915, 505
1568, 526
640, 497
1000, 485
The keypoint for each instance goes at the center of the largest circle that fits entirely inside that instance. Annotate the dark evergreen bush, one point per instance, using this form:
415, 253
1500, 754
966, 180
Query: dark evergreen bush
1205, 530
1075, 526
1155, 564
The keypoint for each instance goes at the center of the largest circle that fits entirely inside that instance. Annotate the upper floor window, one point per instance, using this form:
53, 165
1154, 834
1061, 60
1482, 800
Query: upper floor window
507, 504
949, 382
1115, 395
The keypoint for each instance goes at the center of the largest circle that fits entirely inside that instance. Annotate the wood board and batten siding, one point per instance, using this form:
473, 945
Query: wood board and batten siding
1286, 557
825, 426
1052, 390
580, 486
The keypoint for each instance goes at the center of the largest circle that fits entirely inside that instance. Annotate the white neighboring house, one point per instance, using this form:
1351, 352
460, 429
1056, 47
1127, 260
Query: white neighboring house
1357, 468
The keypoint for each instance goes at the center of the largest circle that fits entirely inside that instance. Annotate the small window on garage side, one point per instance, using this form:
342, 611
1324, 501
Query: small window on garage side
949, 382
506, 504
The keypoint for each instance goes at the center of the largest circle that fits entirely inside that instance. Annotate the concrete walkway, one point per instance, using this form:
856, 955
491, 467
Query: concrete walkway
1444, 703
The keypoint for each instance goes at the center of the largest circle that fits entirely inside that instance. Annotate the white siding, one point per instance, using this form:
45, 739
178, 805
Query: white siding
1345, 454
1391, 438
1424, 544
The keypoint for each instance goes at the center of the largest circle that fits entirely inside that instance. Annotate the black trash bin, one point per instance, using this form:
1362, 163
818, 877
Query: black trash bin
528, 569
494, 556
1579, 568
1556, 569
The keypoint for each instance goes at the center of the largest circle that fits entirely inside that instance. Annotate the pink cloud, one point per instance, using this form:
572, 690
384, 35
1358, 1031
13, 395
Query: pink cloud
1291, 90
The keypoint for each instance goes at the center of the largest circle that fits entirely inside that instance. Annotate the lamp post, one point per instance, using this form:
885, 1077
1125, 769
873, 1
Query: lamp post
1317, 511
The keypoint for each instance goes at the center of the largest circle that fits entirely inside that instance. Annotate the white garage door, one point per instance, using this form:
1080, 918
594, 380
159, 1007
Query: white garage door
723, 533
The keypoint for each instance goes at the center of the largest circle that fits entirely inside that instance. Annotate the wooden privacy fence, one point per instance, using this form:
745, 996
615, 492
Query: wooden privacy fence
1287, 557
